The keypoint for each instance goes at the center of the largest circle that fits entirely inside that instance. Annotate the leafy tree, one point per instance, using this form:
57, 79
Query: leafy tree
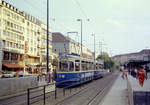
55, 62
109, 63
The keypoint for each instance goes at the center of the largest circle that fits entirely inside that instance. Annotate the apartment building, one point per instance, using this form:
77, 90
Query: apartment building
23, 36
12, 35
64, 44
44, 46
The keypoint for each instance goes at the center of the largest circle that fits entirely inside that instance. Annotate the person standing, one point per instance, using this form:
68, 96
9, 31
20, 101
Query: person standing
48, 76
141, 76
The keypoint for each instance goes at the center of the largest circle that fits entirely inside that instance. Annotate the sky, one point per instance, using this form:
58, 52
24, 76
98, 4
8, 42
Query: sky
120, 26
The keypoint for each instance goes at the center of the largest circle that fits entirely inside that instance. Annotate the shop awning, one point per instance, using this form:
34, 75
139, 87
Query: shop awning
14, 66
31, 56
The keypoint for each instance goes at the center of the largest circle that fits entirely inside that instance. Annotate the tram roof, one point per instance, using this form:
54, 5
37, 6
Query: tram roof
73, 58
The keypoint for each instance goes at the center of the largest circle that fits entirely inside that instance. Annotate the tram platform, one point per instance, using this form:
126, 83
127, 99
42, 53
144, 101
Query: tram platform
117, 94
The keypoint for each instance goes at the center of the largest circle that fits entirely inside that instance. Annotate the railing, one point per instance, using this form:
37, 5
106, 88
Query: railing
35, 89
43, 88
79, 81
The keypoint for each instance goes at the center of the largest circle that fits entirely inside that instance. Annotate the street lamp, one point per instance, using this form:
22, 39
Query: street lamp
81, 40
81, 35
94, 49
81, 32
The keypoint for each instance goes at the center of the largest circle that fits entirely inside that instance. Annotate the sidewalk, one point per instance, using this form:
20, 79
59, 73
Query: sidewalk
117, 94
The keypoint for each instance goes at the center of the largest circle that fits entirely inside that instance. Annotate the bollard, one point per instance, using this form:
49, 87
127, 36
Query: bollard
28, 96
44, 94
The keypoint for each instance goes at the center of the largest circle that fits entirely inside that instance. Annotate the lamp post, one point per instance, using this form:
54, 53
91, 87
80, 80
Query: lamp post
81, 35
81, 44
81, 40
47, 63
81, 32
94, 50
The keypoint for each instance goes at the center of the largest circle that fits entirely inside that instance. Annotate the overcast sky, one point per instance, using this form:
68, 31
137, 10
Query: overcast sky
123, 26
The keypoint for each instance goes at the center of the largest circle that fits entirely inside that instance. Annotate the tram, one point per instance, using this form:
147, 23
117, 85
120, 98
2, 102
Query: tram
74, 70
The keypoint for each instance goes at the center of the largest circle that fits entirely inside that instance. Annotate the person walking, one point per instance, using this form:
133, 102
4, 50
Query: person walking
125, 73
141, 76
52, 76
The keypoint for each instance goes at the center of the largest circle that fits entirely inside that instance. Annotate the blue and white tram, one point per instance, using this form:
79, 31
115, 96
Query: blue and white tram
75, 70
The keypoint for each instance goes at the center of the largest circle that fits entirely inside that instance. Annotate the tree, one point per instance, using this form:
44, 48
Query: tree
55, 62
109, 63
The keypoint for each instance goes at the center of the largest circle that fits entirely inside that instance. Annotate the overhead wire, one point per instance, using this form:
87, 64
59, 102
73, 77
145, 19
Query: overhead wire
81, 9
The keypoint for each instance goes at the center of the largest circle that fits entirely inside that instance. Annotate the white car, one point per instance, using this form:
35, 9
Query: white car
22, 74
1, 75
9, 75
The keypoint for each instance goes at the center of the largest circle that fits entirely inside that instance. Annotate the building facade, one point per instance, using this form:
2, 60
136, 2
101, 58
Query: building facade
12, 34
123, 58
44, 46
64, 44
22, 36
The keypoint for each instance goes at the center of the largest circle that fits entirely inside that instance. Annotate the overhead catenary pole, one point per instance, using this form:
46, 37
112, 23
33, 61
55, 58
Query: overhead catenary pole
94, 53
94, 50
81, 44
81, 47
47, 64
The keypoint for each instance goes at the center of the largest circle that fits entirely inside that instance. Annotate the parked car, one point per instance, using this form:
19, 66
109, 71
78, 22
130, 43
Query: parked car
22, 74
8, 75
1, 75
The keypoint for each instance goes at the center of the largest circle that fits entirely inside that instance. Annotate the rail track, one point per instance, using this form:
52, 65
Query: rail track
92, 94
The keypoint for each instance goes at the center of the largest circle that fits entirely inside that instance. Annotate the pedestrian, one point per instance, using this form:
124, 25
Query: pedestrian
52, 76
125, 73
141, 76
48, 76
134, 73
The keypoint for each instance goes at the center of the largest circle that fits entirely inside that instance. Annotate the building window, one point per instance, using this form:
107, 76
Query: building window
8, 23
11, 25
14, 56
28, 23
11, 44
6, 56
4, 43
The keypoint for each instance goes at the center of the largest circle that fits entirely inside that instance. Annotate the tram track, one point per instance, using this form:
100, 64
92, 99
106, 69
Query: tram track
89, 94
101, 94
